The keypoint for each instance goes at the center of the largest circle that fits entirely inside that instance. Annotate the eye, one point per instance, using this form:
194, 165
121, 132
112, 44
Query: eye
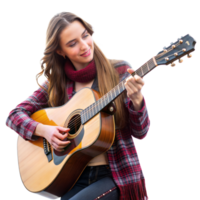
73, 44
85, 35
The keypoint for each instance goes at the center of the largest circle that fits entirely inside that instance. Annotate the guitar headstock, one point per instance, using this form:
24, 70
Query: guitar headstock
176, 50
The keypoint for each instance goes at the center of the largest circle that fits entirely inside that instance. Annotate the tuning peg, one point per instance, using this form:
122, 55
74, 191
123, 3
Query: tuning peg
191, 55
181, 61
173, 65
166, 59
180, 41
175, 54
184, 50
173, 46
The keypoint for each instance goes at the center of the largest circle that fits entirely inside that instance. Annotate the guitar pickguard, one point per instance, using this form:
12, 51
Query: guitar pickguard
76, 135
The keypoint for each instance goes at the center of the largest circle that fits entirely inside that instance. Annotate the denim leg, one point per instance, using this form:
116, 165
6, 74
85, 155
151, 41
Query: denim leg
93, 183
104, 189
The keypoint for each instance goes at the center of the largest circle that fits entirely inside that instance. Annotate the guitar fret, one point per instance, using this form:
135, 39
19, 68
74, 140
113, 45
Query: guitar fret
91, 115
99, 104
102, 103
86, 114
148, 66
105, 103
118, 88
84, 118
138, 72
107, 99
123, 87
89, 111
142, 69
93, 111
114, 92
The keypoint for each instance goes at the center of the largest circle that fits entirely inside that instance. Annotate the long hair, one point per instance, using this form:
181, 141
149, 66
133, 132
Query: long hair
52, 66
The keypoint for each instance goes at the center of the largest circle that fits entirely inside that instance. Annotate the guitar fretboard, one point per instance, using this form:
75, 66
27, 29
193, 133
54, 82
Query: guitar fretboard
109, 97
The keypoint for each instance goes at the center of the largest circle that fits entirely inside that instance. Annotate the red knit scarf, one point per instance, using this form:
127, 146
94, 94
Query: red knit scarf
84, 75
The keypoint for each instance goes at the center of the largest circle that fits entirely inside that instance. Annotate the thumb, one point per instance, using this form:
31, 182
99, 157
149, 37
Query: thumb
130, 71
62, 129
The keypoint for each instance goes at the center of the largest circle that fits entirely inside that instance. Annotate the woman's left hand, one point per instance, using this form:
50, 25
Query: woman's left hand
133, 87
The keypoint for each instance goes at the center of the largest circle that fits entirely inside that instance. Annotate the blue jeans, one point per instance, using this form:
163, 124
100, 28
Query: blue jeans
94, 183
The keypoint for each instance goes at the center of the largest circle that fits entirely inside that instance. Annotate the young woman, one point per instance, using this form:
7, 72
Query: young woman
71, 62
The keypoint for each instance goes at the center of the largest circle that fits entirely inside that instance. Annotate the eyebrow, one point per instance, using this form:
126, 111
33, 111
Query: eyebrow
75, 39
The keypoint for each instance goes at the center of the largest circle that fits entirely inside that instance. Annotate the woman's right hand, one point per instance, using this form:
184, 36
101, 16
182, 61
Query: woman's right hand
54, 135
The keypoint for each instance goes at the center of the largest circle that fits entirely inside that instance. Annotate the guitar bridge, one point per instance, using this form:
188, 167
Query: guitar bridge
47, 149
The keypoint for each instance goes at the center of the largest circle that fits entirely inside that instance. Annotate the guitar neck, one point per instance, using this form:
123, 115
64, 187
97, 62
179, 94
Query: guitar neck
109, 97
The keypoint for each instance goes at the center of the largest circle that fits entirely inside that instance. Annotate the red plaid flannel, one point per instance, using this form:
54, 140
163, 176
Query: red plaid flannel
122, 156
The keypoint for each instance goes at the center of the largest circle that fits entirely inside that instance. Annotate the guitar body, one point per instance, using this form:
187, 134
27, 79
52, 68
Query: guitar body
54, 178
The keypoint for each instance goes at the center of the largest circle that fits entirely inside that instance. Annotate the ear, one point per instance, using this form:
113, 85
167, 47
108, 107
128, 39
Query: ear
59, 52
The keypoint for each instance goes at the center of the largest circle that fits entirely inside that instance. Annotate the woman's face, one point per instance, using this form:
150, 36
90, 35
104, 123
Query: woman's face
77, 44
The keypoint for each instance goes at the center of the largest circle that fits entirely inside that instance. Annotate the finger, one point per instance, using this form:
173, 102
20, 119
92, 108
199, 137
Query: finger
61, 143
62, 133
130, 71
62, 129
133, 87
136, 81
136, 87
128, 89
55, 146
59, 148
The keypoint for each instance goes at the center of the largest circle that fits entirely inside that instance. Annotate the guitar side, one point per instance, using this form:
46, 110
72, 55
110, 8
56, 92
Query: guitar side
53, 180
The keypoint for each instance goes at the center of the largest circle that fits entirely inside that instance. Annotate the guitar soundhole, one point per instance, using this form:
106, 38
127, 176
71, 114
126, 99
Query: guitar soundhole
74, 124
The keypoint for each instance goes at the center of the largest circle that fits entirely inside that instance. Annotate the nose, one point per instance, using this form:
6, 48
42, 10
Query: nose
84, 45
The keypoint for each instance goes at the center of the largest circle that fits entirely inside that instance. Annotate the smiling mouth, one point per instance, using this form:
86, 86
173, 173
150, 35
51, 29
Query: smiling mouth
87, 52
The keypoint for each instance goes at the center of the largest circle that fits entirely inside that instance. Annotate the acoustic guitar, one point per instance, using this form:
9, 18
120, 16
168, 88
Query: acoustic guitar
50, 173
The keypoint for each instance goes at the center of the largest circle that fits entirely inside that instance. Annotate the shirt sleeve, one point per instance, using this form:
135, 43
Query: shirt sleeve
138, 120
19, 118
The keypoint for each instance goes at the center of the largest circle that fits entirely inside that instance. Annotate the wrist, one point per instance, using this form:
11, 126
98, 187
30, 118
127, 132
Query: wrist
137, 102
39, 131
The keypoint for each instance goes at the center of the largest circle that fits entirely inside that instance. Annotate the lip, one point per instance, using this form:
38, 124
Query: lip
87, 53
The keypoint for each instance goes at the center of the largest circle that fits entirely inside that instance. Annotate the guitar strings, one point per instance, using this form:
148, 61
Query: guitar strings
78, 119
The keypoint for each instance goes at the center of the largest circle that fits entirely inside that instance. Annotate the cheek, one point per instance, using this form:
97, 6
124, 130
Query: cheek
73, 52
90, 41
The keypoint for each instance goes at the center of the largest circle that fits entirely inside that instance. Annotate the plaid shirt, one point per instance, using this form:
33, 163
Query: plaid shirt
122, 156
